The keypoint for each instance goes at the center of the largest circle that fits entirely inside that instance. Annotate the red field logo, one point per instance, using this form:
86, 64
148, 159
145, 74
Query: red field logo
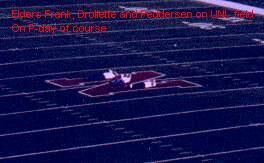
114, 83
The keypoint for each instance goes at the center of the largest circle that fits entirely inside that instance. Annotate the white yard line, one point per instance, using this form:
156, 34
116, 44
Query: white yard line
119, 43
201, 156
182, 77
134, 99
138, 66
74, 148
124, 42
235, 5
238, 107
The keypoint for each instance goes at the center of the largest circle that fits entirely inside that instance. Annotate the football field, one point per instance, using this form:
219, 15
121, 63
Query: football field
220, 120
